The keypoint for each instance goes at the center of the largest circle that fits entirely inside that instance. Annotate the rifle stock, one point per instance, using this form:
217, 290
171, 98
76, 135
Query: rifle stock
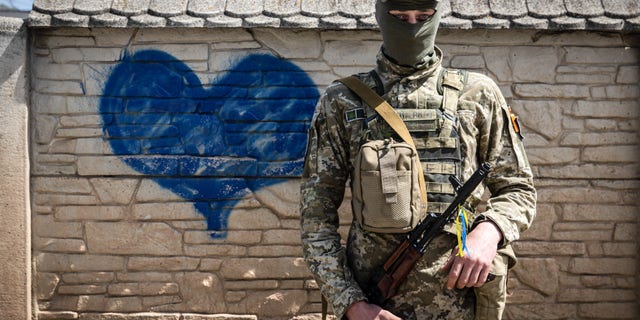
404, 258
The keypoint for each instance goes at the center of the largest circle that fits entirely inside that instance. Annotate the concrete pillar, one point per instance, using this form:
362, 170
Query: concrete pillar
15, 266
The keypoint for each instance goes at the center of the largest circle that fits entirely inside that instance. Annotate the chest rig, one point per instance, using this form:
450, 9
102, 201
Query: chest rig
431, 119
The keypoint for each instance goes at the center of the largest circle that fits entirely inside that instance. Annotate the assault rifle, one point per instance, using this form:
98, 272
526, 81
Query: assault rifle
408, 253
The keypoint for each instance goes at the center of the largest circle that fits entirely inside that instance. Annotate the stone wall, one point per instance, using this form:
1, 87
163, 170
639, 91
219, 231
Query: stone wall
164, 165
15, 268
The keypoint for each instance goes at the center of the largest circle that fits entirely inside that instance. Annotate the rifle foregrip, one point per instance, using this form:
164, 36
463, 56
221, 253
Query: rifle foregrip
392, 279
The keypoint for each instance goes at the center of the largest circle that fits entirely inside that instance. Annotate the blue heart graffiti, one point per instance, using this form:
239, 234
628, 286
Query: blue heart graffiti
211, 144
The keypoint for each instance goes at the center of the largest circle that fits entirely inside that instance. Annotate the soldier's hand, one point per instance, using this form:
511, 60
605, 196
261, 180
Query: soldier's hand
365, 311
472, 269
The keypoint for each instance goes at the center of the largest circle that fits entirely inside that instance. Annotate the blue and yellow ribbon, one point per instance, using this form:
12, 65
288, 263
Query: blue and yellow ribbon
462, 226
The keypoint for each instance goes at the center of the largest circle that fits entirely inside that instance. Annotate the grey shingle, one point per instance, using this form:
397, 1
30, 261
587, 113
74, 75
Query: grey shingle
318, 8
546, 9
70, 19
91, 7
568, 23
205, 8
621, 8
338, 22
129, 7
470, 9
109, 20
334, 14
605, 23
261, 21
300, 21
491, 23
53, 6
222, 21
281, 8
530, 23
167, 8
185, 21
584, 8
147, 20
452, 22
244, 8
356, 8
508, 9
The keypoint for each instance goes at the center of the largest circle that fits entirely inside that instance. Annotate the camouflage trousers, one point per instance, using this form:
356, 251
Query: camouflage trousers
423, 295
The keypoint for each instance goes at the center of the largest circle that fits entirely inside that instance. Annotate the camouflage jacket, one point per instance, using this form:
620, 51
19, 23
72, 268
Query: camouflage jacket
486, 134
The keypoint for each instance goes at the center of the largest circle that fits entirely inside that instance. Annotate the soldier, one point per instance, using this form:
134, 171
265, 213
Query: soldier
409, 76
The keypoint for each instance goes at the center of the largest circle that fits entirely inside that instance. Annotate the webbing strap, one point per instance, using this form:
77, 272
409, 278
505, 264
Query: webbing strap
385, 110
451, 87
387, 162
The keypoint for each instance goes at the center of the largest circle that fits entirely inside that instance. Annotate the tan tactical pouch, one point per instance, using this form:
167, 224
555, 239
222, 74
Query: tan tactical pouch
386, 189
389, 191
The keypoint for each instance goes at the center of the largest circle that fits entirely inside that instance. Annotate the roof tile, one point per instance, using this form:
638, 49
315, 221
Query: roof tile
167, 8
470, 9
109, 20
621, 8
222, 21
530, 23
244, 8
91, 7
455, 23
508, 8
147, 20
205, 8
185, 21
318, 8
546, 9
53, 6
605, 23
70, 19
568, 23
584, 8
338, 22
281, 8
491, 23
340, 14
356, 8
129, 7
300, 21
261, 21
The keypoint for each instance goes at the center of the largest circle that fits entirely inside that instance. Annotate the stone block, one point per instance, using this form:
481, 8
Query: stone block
291, 44
275, 251
61, 185
590, 171
594, 55
150, 191
188, 316
233, 237
599, 212
619, 266
607, 154
162, 264
522, 63
276, 303
217, 250
552, 155
52, 262
542, 117
133, 238
59, 245
82, 289
539, 274
258, 219
540, 311
86, 54
264, 268
114, 191
566, 91
349, 53
628, 74
130, 316
88, 277
271, 237
83, 213
57, 315
143, 289
555, 248
626, 232
166, 211
609, 310
45, 285
47, 227
595, 295
201, 293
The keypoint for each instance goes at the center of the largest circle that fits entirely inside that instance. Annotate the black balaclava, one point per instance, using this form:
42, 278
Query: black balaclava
408, 44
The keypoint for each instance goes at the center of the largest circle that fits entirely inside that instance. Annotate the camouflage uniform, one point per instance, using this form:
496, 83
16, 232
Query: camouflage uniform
485, 134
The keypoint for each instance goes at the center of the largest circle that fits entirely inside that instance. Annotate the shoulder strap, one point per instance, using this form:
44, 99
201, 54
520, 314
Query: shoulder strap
385, 110
382, 107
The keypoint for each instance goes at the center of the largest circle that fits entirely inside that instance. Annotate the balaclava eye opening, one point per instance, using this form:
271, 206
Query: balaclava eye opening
408, 44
